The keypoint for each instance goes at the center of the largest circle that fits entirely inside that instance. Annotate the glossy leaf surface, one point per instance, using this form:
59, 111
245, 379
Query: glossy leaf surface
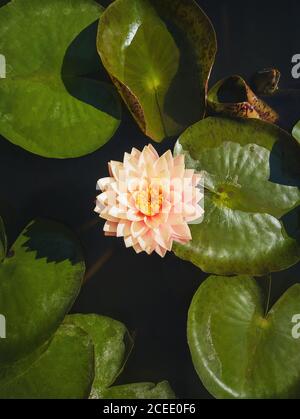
51, 103
112, 345
159, 54
237, 350
252, 197
39, 281
64, 371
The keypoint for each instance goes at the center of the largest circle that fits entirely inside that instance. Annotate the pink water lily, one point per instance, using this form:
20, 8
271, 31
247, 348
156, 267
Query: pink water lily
149, 200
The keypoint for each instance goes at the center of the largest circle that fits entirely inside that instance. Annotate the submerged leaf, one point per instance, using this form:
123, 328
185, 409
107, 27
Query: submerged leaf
159, 55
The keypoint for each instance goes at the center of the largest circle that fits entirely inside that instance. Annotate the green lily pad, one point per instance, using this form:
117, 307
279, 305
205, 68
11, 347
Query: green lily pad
64, 371
112, 344
3, 241
296, 131
39, 281
251, 198
233, 97
50, 103
140, 391
159, 55
237, 350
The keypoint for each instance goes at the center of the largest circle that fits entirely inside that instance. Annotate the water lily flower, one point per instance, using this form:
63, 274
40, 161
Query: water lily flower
150, 200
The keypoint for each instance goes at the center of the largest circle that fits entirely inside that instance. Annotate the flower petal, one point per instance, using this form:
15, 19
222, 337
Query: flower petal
138, 228
123, 228
107, 216
182, 232
137, 248
161, 251
130, 241
142, 181
104, 183
116, 170
163, 236
110, 227
147, 242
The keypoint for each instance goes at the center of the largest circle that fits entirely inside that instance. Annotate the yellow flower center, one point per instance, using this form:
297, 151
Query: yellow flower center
149, 201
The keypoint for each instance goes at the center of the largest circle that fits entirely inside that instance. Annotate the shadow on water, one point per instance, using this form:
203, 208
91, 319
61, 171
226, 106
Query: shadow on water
285, 170
84, 75
291, 222
52, 241
287, 104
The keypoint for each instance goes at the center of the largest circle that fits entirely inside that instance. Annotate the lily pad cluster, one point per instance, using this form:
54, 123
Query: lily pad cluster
54, 103
48, 354
251, 228
158, 54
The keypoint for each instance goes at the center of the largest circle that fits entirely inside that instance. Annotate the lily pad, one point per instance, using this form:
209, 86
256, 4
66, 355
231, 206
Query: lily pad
251, 198
233, 97
159, 54
39, 281
237, 350
64, 371
51, 104
112, 344
296, 132
140, 391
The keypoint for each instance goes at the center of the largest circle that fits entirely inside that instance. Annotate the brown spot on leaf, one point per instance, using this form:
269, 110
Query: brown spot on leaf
132, 102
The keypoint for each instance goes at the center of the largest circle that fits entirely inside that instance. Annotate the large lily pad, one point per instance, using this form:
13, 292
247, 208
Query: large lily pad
252, 197
112, 344
64, 371
159, 54
140, 391
237, 350
39, 281
49, 103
